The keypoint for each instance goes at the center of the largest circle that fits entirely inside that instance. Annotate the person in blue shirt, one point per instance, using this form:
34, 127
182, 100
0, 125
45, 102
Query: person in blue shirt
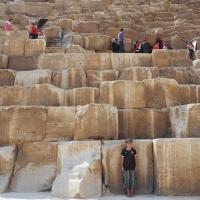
121, 41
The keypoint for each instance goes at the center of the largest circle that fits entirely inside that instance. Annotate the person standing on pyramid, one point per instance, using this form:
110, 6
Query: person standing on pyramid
121, 41
129, 167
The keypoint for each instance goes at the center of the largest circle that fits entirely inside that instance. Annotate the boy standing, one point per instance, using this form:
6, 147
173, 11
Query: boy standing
129, 166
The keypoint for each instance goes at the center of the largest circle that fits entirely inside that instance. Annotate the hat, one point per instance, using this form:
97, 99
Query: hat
164, 44
129, 140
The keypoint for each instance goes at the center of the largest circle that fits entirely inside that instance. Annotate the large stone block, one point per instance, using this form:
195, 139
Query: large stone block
26, 78
79, 174
161, 93
112, 174
104, 120
52, 32
35, 47
103, 25
95, 77
35, 167
177, 173
65, 24
142, 124
69, 78
185, 121
7, 161
7, 77
123, 94
139, 73
3, 61
43, 95
87, 27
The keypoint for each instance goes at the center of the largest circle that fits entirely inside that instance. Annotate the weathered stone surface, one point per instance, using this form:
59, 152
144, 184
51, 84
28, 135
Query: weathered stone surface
26, 78
7, 77
66, 24
111, 155
72, 48
35, 47
35, 167
43, 95
139, 73
142, 124
81, 96
161, 93
7, 161
103, 25
3, 61
87, 27
79, 170
178, 73
69, 78
94, 77
171, 174
123, 94
104, 120
55, 50
52, 32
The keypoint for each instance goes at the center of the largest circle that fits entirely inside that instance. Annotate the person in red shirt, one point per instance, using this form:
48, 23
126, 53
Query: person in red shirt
33, 33
156, 46
9, 25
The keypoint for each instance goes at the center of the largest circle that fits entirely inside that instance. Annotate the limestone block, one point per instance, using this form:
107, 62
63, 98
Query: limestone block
71, 48
7, 77
111, 155
52, 32
160, 58
143, 124
139, 73
7, 161
19, 63
65, 24
87, 27
43, 95
194, 75
127, 45
172, 174
69, 78
124, 24
103, 25
35, 167
123, 94
182, 62
178, 73
94, 77
35, 47
188, 117
161, 93
81, 96
14, 47
79, 170
196, 63
97, 42
96, 121
55, 50
60, 123
3, 61
72, 38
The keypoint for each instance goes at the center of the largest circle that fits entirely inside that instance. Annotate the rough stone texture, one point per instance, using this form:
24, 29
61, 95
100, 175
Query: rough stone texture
7, 77
66, 24
3, 61
111, 155
185, 121
87, 27
161, 93
60, 123
173, 168
96, 121
71, 48
139, 73
69, 78
95, 77
142, 124
35, 167
43, 95
123, 94
79, 170
81, 96
26, 78
52, 32
35, 47
7, 161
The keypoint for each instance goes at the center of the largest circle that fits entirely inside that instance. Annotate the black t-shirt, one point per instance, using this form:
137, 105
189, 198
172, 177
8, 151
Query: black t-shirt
129, 159
115, 47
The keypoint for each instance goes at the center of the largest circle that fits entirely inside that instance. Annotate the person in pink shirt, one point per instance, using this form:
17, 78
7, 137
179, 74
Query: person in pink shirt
9, 25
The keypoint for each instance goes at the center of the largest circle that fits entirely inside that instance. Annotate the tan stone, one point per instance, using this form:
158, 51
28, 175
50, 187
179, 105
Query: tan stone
127, 45
52, 32
7, 161
139, 73
71, 48
111, 155
65, 24
79, 165
104, 120
35, 167
43, 95
55, 50
87, 27
103, 25
35, 47
94, 77
161, 93
81, 96
183, 169
123, 94
7, 77
3, 61
69, 78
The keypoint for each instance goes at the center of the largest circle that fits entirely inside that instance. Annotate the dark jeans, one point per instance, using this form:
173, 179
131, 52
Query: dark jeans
33, 36
191, 52
121, 47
